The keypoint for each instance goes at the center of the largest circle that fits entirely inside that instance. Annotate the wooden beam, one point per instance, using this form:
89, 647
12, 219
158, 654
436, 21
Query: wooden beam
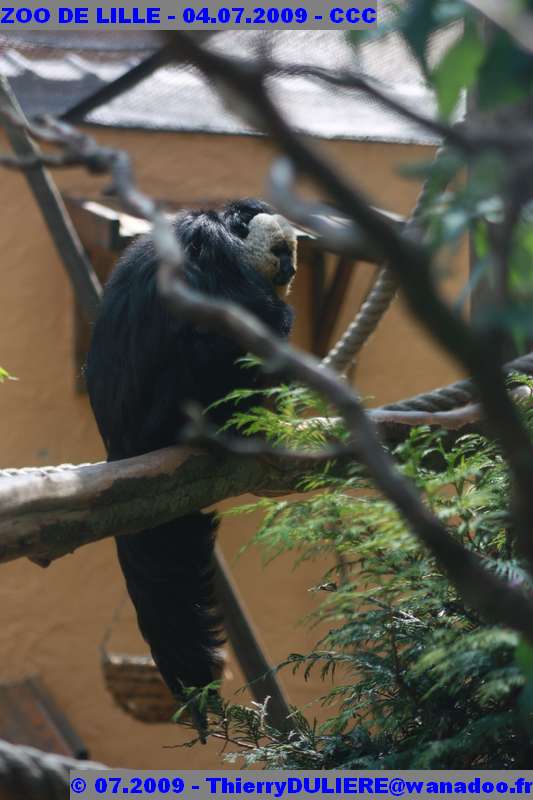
333, 304
95, 230
128, 80
317, 265
29, 716
81, 273
257, 669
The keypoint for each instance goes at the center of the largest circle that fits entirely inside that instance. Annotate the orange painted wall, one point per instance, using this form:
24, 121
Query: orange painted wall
52, 621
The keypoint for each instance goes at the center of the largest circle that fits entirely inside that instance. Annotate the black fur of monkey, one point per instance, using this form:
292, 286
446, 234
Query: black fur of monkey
143, 366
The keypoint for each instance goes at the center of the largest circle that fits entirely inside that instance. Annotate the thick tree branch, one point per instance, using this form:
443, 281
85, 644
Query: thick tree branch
46, 513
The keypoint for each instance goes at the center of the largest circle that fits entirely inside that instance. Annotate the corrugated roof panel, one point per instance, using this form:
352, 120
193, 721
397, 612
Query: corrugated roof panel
94, 42
46, 69
175, 99
105, 71
180, 99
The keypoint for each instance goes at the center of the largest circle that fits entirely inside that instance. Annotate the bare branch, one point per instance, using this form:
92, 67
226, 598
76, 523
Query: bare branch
383, 292
337, 234
412, 265
492, 596
46, 514
479, 135
54, 160
352, 81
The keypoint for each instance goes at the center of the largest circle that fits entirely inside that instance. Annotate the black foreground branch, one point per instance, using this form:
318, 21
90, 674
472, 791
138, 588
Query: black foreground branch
496, 599
411, 263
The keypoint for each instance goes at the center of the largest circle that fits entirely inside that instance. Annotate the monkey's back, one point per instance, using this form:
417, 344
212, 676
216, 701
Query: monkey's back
144, 365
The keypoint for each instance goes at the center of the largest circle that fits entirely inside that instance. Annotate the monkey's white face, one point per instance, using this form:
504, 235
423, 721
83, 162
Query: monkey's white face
271, 248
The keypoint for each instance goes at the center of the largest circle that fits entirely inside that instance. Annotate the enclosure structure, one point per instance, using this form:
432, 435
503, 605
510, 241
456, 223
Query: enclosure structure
53, 621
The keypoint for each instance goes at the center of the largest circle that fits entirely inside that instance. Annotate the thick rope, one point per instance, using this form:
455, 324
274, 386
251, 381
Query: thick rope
30, 774
380, 297
446, 398
456, 394
367, 319
13, 472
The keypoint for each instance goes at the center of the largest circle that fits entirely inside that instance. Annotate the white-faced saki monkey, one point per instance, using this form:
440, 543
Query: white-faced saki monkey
144, 365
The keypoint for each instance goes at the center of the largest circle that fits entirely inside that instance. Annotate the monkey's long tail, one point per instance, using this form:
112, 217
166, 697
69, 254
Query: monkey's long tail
169, 572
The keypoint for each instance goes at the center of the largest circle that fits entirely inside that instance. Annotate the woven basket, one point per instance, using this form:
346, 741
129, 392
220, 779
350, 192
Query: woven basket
137, 687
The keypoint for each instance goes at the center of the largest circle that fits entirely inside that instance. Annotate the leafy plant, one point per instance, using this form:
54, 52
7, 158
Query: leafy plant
419, 680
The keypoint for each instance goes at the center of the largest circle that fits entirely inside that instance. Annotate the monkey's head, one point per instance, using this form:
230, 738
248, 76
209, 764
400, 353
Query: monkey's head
269, 241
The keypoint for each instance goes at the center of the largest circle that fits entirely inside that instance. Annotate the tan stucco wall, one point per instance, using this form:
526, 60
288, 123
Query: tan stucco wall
52, 621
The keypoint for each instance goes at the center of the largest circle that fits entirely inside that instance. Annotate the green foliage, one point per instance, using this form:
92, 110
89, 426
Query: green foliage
413, 678
506, 74
458, 69
480, 56
419, 19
